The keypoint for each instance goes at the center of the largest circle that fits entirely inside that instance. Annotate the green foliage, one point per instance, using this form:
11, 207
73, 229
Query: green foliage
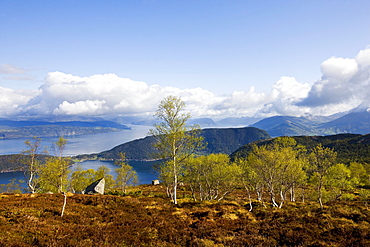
321, 159
176, 142
12, 162
338, 179
32, 161
322, 153
364, 196
349, 147
211, 177
53, 175
359, 175
278, 167
126, 175
80, 179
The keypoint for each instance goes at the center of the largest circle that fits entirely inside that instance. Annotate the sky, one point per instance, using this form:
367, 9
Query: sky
223, 58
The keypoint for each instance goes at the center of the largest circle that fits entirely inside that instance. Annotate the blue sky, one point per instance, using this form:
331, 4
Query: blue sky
217, 51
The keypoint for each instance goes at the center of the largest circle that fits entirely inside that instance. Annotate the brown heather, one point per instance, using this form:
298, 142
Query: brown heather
148, 218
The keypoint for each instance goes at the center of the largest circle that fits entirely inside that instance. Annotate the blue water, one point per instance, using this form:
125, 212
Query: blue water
87, 144
7, 176
144, 170
82, 144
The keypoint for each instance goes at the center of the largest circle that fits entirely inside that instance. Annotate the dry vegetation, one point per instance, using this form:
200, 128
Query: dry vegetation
148, 218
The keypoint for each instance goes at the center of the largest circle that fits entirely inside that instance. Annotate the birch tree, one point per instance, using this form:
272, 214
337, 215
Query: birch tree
321, 159
32, 162
359, 176
250, 181
53, 175
279, 166
339, 179
126, 175
176, 142
212, 177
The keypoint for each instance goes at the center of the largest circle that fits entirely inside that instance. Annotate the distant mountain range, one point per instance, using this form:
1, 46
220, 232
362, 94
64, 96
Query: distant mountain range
224, 140
91, 124
356, 122
17, 129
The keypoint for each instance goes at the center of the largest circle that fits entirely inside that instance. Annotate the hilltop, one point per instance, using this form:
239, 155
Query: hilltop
219, 140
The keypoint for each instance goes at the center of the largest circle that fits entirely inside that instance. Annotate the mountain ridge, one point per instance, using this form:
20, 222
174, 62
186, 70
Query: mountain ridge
357, 122
220, 140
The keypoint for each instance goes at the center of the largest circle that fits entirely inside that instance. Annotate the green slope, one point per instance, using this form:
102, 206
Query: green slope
219, 141
350, 147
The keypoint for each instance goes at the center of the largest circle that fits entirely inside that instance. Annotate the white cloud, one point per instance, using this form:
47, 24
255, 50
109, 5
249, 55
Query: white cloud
339, 69
109, 94
241, 103
96, 95
345, 83
363, 58
289, 89
284, 94
12, 100
87, 107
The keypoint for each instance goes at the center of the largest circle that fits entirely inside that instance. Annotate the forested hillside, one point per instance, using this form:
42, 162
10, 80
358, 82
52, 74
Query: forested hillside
11, 163
16, 162
350, 147
218, 140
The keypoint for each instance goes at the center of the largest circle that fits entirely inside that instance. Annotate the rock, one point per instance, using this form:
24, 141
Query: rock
95, 188
155, 182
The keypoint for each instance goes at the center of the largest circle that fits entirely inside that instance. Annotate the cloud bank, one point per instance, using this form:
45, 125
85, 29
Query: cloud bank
344, 84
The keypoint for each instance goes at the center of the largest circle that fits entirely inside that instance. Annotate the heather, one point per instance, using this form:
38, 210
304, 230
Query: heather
144, 216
